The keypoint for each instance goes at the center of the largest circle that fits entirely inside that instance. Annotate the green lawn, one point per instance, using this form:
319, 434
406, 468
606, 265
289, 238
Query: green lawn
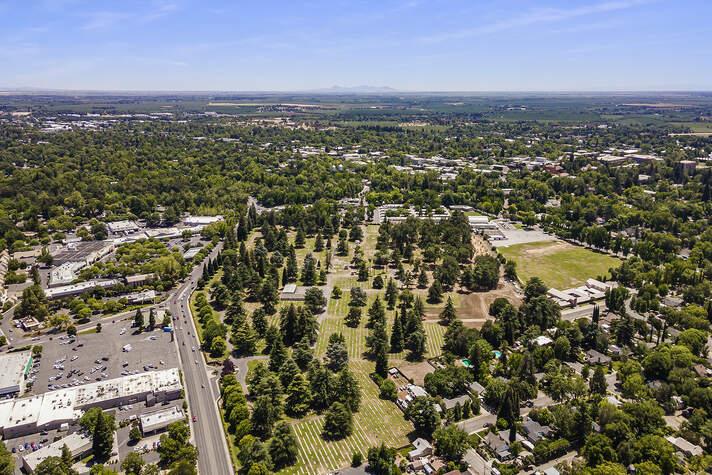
377, 421
559, 265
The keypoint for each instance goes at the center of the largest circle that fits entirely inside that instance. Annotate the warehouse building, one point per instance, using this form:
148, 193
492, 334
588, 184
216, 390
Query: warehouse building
152, 422
13, 371
78, 443
75, 289
29, 415
125, 227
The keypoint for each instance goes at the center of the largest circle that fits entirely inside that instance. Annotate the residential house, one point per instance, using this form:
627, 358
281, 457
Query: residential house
594, 357
535, 431
421, 448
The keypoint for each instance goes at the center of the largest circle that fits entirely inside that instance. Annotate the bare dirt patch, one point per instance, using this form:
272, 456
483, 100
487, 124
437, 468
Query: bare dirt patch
416, 371
474, 306
540, 251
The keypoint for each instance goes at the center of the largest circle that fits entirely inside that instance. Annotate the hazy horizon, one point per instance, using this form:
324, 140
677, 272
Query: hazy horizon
407, 45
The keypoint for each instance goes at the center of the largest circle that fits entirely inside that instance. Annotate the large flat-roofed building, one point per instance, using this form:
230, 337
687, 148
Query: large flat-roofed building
75, 289
191, 253
64, 274
78, 443
201, 220
122, 226
24, 416
157, 420
13, 369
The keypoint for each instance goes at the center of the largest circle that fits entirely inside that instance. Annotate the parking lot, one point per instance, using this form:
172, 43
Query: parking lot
146, 446
99, 356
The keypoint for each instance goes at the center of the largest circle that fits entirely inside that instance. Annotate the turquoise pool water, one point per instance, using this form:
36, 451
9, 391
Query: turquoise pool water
497, 353
466, 363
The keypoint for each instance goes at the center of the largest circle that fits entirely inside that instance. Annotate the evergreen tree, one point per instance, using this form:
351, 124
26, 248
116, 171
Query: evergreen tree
347, 390
318, 243
259, 321
298, 396
353, 318
376, 312
321, 386
102, 437
138, 320
300, 238
283, 446
422, 279
338, 422
151, 320
476, 360
235, 314
277, 355
448, 314
509, 409
302, 353
416, 345
287, 372
397, 339
598, 384
435, 292
309, 270
244, 339
391, 294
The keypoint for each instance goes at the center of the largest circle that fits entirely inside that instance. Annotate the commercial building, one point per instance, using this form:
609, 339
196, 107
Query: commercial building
116, 227
157, 420
13, 370
78, 443
139, 279
64, 274
141, 297
24, 416
201, 220
67, 290
191, 253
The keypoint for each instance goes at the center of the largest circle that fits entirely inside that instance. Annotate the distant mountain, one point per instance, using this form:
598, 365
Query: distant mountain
354, 90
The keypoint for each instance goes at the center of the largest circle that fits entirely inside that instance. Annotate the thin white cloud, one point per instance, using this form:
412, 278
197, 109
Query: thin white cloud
159, 9
535, 16
160, 62
104, 20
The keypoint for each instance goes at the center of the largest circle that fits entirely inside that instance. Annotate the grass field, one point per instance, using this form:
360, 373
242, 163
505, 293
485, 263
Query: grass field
560, 265
377, 421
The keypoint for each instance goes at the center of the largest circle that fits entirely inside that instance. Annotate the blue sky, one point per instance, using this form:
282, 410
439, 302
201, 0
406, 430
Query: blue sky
472, 45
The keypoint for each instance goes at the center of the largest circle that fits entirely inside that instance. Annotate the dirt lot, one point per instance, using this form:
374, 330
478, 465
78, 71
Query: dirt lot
416, 371
474, 306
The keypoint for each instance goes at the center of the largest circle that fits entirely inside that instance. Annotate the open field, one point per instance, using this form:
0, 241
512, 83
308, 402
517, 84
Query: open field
377, 421
560, 265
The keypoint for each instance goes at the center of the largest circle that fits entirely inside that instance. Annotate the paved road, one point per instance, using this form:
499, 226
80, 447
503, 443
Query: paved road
477, 423
201, 393
582, 312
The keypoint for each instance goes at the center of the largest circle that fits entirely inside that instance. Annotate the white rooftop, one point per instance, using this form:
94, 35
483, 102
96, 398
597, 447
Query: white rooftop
160, 418
12, 370
77, 442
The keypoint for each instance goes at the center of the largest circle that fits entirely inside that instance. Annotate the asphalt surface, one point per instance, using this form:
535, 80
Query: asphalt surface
201, 392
